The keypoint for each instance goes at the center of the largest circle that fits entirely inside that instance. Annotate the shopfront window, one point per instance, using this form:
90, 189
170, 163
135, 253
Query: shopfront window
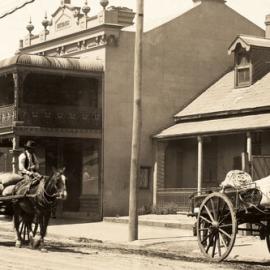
90, 173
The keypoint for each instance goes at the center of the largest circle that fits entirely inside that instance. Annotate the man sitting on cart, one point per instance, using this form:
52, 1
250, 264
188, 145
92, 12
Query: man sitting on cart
28, 162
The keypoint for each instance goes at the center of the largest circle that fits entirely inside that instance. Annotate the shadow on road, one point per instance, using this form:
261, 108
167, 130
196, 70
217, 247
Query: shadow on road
51, 247
236, 263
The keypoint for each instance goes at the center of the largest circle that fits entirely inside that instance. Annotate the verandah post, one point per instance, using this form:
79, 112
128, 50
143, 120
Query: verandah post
200, 164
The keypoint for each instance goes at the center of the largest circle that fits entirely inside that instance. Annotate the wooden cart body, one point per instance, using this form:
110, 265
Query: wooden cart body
6, 208
221, 214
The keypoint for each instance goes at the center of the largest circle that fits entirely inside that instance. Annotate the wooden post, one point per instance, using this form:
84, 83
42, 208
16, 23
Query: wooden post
244, 162
137, 125
200, 164
249, 170
15, 139
155, 179
249, 146
16, 95
249, 151
15, 144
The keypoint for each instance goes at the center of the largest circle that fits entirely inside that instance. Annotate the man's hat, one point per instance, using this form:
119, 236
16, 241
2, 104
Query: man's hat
30, 144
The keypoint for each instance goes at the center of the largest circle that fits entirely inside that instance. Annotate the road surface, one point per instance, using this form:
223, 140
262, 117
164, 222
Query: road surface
67, 255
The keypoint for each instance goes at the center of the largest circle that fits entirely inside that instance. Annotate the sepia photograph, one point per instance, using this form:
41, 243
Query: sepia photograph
134, 134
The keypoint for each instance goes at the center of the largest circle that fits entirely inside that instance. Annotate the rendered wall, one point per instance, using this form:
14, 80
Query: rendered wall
118, 104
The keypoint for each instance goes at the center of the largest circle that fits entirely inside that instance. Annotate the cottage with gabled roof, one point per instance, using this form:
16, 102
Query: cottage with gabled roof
226, 127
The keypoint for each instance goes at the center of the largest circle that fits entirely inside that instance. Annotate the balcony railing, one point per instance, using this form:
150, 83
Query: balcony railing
60, 117
6, 115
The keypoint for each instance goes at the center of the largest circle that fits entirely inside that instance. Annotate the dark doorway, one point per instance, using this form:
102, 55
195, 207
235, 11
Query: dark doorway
51, 157
72, 159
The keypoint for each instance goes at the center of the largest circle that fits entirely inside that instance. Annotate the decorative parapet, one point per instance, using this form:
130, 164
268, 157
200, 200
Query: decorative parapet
102, 39
68, 22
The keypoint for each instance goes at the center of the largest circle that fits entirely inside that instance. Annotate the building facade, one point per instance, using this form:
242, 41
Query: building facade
92, 128
225, 128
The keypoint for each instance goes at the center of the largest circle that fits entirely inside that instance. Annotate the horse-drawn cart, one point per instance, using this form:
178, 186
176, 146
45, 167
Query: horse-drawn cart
221, 214
30, 202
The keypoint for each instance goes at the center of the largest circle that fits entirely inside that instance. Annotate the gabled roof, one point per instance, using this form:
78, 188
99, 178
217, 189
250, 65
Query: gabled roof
56, 63
222, 97
248, 41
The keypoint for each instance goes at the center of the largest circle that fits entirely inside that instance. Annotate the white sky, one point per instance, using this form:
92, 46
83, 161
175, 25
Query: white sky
12, 28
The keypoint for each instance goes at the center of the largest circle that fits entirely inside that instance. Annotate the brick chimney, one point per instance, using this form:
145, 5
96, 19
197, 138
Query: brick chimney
267, 24
65, 2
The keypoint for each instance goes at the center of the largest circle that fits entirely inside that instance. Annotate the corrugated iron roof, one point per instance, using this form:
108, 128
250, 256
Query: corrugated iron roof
223, 125
59, 63
223, 97
249, 41
256, 41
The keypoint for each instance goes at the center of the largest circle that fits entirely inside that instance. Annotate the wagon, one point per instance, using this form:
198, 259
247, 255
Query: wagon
6, 209
221, 214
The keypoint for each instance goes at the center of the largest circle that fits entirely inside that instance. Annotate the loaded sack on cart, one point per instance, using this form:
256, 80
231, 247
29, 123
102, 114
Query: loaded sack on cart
7, 183
241, 180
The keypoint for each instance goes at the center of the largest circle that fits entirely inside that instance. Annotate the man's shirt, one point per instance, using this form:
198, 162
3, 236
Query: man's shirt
33, 164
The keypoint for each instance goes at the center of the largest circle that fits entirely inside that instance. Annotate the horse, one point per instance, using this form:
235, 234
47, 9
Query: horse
34, 209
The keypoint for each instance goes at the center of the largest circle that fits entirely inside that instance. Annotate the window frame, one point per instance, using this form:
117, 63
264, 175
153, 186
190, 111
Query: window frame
239, 67
147, 173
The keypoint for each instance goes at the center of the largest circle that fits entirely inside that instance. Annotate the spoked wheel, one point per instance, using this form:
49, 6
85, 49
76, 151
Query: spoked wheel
24, 229
267, 237
216, 226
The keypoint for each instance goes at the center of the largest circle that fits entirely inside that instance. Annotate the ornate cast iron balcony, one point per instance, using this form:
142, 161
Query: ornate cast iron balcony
6, 116
60, 117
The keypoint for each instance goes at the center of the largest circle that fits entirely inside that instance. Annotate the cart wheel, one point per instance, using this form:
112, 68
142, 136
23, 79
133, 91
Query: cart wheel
216, 226
24, 229
267, 237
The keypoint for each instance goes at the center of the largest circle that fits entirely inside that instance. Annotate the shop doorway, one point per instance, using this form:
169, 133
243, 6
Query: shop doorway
72, 160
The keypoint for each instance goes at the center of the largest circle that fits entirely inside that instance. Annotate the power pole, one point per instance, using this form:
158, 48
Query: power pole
137, 125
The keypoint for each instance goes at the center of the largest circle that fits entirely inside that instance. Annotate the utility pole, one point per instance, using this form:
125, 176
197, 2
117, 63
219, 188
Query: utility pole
137, 125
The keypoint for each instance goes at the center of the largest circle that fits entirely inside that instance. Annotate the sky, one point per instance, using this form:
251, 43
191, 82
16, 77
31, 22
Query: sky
12, 27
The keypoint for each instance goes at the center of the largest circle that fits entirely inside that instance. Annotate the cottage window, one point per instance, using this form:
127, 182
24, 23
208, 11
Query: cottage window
243, 75
242, 69
144, 177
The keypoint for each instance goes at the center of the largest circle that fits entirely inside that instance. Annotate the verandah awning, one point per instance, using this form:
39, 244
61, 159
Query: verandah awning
49, 62
215, 126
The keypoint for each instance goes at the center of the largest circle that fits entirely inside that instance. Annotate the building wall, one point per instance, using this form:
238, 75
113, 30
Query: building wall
181, 58
118, 98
